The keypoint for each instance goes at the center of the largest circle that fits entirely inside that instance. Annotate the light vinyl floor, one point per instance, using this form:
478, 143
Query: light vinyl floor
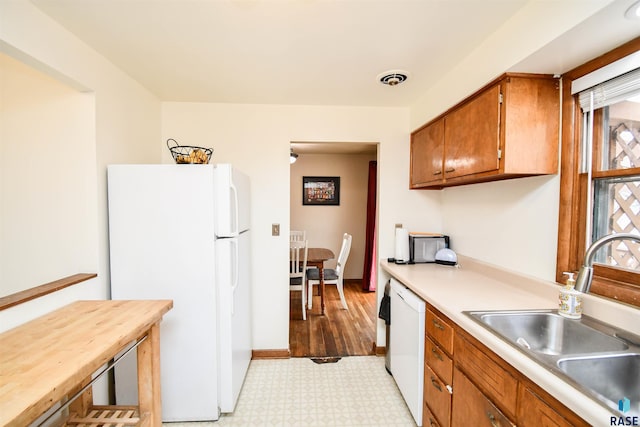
297, 392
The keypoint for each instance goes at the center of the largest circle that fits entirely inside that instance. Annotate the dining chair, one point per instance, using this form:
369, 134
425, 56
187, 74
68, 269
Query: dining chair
297, 235
298, 269
332, 276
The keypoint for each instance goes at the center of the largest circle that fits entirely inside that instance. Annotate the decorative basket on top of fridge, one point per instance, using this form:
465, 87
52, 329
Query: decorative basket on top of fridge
189, 154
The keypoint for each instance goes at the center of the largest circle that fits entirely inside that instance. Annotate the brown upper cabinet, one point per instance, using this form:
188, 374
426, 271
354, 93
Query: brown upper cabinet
508, 129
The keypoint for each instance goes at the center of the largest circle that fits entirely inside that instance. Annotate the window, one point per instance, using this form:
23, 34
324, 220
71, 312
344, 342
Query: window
614, 166
600, 181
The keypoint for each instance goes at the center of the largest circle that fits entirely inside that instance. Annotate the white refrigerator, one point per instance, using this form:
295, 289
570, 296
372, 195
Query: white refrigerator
181, 232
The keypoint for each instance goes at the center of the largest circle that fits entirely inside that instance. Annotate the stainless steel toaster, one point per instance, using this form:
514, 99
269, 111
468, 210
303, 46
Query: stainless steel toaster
423, 246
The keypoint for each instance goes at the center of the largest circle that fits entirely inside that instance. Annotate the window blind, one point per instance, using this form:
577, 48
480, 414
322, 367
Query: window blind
615, 90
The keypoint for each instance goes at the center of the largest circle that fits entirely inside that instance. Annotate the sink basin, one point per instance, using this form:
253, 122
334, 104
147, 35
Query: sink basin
613, 377
550, 333
598, 359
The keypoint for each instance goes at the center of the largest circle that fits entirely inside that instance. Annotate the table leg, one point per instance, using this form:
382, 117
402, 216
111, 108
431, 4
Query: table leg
82, 404
149, 378
321, 274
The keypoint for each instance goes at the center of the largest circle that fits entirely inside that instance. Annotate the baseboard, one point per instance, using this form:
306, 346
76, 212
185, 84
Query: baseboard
286, 354
270, 354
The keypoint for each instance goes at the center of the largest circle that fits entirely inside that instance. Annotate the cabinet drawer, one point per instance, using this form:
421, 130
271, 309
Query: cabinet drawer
491, 378
428, 419
440, 331
437, 397
471, 407
438, 361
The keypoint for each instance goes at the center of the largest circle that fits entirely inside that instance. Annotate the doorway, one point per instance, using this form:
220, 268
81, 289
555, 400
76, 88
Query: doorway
338, 332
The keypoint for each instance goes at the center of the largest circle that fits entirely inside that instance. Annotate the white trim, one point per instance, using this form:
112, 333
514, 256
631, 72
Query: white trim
608, 72
611, 92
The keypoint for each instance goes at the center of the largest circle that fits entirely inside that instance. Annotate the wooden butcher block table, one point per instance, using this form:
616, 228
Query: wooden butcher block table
51, 358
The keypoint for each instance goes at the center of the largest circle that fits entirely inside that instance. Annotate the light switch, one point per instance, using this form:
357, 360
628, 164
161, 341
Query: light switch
398, 225
275, 229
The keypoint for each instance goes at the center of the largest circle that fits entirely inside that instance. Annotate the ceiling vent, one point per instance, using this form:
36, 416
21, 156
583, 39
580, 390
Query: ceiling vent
393, 77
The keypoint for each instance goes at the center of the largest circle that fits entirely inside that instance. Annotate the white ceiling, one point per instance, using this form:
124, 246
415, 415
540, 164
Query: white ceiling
299, 52
309, 52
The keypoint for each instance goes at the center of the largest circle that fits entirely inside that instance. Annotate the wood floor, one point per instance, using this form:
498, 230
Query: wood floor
339, 332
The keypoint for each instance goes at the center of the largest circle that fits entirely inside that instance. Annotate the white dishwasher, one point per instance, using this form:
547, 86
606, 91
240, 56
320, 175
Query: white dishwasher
406, 349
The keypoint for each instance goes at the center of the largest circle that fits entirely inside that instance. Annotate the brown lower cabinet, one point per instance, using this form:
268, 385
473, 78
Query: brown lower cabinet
465, 383
470, 404
533, 411
428, 419
438, 369
438, 396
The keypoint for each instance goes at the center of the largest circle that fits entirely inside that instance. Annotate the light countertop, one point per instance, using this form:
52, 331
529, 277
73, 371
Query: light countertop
47, 358
474, 285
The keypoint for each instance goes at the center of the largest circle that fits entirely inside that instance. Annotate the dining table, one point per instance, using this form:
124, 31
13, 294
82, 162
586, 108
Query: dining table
316, 257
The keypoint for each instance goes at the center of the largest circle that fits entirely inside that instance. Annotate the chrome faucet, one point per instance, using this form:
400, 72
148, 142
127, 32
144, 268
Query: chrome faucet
585, 275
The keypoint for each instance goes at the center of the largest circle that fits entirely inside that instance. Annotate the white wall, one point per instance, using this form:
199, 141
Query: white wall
125, 117
48, 218
126, 129
256, 138
534, 25
325, 225
512, 224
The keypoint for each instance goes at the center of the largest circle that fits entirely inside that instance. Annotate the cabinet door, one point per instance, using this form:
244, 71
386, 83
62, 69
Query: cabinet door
472, 136
471, 407
535, 412
490, 375
427, 149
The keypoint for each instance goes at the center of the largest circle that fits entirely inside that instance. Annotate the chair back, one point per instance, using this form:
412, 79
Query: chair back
344, 253
298, 251
297, 235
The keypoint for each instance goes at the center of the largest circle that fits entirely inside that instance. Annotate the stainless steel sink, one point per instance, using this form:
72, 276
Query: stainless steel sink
613, 377
598, 359
550, 333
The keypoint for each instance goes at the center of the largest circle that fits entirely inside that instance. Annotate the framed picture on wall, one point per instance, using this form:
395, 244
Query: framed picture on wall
321, 190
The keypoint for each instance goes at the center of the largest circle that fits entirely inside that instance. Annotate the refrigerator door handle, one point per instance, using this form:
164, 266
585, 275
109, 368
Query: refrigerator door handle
235, 271
235, 210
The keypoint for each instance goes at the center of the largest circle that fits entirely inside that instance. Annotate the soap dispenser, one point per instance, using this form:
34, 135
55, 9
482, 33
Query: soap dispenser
570, 303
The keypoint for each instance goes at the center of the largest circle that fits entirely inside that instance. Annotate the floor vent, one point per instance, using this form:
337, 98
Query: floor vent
321, 360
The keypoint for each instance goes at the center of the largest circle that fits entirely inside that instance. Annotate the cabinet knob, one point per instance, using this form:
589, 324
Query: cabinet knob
437, 173
438, 325
435, 383
450, 170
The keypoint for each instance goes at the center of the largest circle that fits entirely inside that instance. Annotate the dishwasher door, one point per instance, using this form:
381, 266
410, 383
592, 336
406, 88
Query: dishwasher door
407, 346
